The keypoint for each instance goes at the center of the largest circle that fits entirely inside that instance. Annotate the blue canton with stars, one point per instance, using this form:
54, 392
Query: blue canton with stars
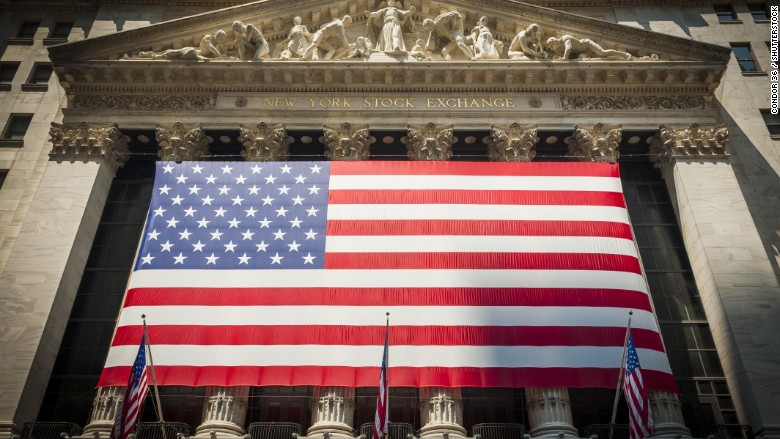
236, 215
632, 358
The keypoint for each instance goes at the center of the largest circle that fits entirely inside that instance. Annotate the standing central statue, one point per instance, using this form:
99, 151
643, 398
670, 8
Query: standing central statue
385, 27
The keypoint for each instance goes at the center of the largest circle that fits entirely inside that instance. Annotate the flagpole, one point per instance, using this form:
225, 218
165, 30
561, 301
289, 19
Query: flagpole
620, 375
387, 374
154, 379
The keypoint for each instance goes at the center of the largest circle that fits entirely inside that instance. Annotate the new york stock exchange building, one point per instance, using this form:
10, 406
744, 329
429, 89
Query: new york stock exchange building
506, 179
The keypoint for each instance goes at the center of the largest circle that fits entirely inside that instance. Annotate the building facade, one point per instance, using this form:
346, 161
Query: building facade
95, 91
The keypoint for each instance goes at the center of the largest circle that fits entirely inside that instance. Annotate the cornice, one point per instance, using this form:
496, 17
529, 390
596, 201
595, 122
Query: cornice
32, 4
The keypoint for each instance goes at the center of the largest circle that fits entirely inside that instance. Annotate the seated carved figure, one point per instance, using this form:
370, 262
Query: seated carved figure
330, 39
211, 46
527, 44
485, 47
446, 35
297, 41
569, 47
250, 42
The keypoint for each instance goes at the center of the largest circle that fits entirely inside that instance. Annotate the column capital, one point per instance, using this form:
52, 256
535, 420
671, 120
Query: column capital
692, 143
83, 142
512, 142
224, 411
105, 407
181, 143
265, 143
333, 412
346, 142
441, 412
429, 142
597, 144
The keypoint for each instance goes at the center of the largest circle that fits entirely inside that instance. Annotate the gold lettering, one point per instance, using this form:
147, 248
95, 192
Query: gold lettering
290, 102
346, 103
487, 103
498, 103
430, 103
366, 103
409, 103
463, 101
313, 101
509, 103
268, 102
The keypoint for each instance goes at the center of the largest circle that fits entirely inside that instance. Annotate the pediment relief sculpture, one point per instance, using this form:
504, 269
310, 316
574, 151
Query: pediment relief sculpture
387, 31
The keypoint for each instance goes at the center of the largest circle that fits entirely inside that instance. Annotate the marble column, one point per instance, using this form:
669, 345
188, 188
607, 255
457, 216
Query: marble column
597, 144
333, 411
730, 265
43, 269
667, 415
224, 411
105, 406
441, 411
549, 411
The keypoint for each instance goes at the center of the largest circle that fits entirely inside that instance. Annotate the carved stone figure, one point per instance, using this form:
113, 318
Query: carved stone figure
485, 47
361, 48
345, 142
429, 142
527, 44
446, 35
512, 143
569, 47
269, 144
250, 42
418, 51
330, 39
597, 144
211, 46
298, 40
386, 27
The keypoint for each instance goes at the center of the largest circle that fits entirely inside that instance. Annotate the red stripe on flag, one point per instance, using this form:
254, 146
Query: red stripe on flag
603, 229
400, 335
487, 261
538, 169
389, 297
478, 197
399, 376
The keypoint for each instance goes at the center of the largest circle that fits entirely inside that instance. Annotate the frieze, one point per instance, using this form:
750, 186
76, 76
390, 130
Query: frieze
145, 102
633, 103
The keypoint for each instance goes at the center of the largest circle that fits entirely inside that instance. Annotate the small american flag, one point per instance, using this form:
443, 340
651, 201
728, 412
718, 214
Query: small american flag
135, 393
381, 420
639, 415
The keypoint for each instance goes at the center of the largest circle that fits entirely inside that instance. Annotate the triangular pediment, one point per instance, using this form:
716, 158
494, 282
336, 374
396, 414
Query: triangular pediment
446, 44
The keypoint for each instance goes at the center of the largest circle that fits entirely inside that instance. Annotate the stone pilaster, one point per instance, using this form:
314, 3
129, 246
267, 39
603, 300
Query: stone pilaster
667, 415
105, 406
597, 144
346, 142
333, 411
85, 143
224, 411
429, 142
441, 411
512, 143
267, 144
731, 267
549, 411
180, 143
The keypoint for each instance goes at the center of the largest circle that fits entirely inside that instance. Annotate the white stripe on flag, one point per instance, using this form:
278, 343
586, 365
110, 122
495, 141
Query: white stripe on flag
476, 182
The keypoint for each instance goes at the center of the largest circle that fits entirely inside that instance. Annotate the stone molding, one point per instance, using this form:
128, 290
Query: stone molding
512, 143
636, 103
429, 142
145, 102
549, 411
441, 411
182, 143
333, 411
347, 142
692, 143
81, 142
266, 143
597, 144
224, 411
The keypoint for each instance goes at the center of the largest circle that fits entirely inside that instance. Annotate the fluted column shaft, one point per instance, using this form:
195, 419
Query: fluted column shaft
441, 411
667, 415
549, 411
224, 411
333, 411
105, 406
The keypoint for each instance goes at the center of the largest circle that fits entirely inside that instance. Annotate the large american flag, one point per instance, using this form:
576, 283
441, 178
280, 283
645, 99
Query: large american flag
640, 418
381, 418
496, 275
135, 394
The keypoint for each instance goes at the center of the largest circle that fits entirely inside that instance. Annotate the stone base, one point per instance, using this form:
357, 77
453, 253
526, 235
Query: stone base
391, 57
551, 430
334, 430
220, 428
434, 431
768, 431
671, 430
8, 429
100, 429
